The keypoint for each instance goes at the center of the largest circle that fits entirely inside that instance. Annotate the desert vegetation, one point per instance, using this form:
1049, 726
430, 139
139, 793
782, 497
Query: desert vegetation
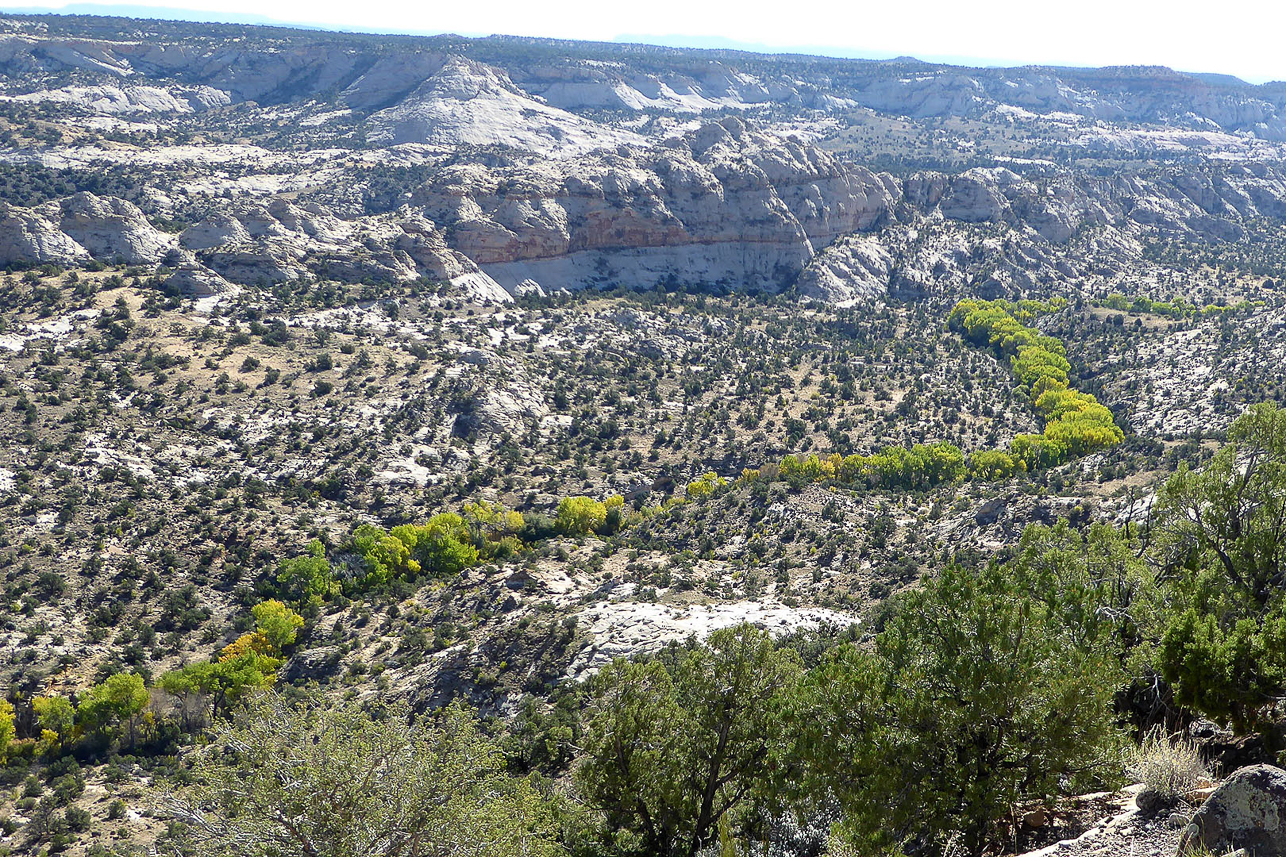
993, 684
655, 452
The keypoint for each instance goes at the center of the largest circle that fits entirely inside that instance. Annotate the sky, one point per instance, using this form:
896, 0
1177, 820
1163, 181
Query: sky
1234, 37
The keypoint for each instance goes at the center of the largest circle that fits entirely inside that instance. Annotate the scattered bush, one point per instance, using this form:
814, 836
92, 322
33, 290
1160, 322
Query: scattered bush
1168, 766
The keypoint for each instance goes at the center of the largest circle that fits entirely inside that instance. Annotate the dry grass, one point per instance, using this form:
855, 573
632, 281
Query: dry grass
1169, 765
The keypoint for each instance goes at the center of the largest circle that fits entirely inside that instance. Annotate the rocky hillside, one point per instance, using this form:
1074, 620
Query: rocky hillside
505, 165
417, 370
372, 73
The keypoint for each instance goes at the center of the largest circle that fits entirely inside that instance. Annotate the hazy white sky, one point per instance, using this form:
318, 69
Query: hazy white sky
1232, 37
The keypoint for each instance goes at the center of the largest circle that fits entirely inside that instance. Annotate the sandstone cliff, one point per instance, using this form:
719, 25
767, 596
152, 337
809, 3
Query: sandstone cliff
722, 204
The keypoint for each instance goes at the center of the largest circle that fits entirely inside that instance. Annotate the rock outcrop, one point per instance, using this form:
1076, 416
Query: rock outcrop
465, 102
853, 270
731, 204
112, 229
196, 280
1247, 812
726, 205
280, 241
624, 628
248, 244
29, 238
115, 100
1190, 204
723, 204
485, 405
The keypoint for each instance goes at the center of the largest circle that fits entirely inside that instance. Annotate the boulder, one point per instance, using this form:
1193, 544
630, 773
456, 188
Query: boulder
196, 280
991, 511
1247, 812
1152, 802
1228, 752
315, 664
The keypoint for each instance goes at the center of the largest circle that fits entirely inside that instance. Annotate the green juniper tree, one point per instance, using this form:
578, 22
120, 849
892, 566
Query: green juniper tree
1220, 542
974, 699
316, 779
675, 745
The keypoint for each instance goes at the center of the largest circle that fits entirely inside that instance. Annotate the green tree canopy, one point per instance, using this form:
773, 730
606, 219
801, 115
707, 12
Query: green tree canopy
119, 698
442, 546
674, 745
326, 779
974, 700
307, 577
1220, 537
580, 516
55, 715
224, 682
6, 727
277, 623
386, 557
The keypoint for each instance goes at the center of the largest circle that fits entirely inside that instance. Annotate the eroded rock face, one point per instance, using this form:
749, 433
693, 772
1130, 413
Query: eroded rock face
1248, 811
249, 244
196, 280
280, 241
466, 102
112, 229
27, 237
852, 270
314, 664
114, 100
1202, 206
730, 204
978, 195
725, 203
